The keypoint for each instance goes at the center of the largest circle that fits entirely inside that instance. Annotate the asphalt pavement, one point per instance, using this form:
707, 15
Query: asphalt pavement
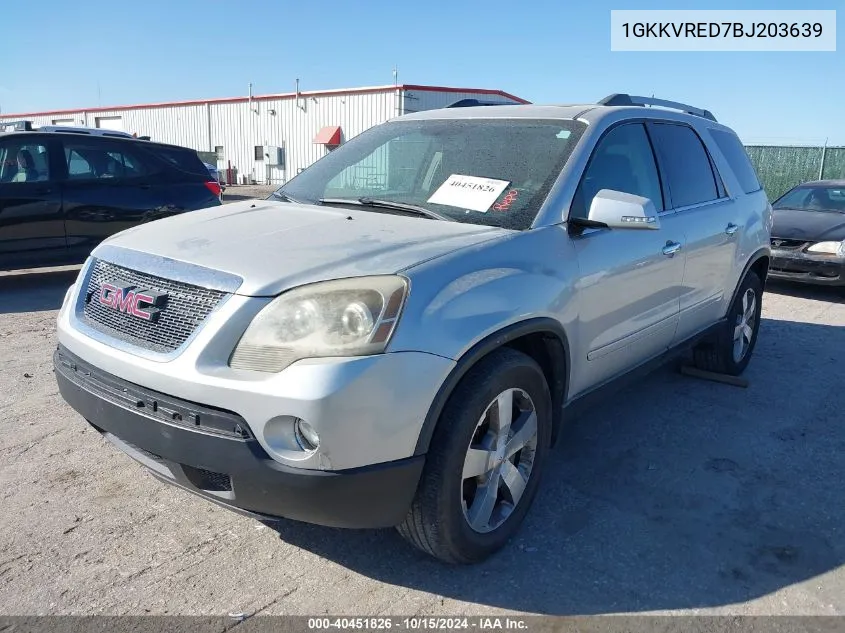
674, 496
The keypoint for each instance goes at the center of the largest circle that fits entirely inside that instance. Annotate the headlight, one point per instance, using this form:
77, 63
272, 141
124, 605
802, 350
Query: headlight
830, 248
345, 317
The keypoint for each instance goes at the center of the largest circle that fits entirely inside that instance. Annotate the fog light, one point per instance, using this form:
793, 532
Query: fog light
306, 436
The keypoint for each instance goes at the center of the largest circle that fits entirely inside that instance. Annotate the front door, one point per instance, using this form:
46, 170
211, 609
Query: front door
630, 279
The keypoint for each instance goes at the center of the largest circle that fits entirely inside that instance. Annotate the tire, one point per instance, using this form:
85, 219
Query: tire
439, 521
723, 355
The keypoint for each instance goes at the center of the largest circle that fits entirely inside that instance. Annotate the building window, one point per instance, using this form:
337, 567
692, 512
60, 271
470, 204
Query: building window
218, 149
259, 152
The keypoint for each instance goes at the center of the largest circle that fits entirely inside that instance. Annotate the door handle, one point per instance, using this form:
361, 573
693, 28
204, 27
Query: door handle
731, 228
671, 248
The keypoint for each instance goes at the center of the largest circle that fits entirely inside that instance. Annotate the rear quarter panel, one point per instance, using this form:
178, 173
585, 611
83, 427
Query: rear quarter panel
176, 196
753, 211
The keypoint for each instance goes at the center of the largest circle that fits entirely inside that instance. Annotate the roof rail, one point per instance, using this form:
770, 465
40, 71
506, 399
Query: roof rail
468, 103
91, 131
630, 100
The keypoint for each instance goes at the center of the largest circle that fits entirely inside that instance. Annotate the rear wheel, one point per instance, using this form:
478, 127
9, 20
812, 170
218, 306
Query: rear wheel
730, 350
484, 462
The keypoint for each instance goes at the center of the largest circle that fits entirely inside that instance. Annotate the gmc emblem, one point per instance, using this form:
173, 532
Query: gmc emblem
144, 304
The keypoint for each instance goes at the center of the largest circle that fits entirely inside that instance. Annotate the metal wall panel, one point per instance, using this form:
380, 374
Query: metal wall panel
291, 123
286, 121
419, 100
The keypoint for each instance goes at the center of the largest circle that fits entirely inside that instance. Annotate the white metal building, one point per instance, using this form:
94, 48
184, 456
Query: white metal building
268, 138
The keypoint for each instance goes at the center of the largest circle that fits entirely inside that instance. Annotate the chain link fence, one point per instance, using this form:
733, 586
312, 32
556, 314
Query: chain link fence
781, 167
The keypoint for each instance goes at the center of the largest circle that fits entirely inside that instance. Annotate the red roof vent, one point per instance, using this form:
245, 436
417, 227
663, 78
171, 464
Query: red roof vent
329, 135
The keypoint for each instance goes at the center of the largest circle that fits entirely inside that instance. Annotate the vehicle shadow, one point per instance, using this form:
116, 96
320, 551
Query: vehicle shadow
674, 494
35, 291
830, 294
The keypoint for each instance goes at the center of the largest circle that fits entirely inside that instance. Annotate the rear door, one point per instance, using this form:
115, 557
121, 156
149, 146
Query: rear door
31, 223
698, 202
107, 188
630, 279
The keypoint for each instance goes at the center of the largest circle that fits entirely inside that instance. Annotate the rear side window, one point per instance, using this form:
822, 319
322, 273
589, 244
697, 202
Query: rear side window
93, 160
738, 159
184, 159
685, 164
23, 162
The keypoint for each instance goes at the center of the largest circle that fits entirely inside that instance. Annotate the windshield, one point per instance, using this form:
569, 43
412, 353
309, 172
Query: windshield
818, 198
479, 171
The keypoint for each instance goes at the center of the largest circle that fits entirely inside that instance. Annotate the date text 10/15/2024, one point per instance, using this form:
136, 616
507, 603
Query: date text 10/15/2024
418, 623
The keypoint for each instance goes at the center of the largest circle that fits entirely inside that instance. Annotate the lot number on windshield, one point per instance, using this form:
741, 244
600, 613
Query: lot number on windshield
469, 192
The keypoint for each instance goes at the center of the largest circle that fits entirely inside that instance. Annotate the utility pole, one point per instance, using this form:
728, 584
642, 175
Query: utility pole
397, 96
821, 166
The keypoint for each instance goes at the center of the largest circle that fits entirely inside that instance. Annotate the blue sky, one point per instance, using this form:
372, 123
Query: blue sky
62, 55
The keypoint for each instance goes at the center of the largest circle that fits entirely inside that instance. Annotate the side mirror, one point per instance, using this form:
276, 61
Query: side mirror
620, 210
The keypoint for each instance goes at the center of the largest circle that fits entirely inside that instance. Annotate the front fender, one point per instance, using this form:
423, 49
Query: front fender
458, 300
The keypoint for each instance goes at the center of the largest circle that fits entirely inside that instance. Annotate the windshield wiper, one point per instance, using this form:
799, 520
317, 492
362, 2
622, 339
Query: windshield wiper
376, 203
279, 195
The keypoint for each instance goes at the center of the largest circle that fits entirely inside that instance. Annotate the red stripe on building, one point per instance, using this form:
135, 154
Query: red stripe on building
286, 95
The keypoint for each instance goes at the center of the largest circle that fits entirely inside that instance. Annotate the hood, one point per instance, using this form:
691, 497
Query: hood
811, 226
274, 245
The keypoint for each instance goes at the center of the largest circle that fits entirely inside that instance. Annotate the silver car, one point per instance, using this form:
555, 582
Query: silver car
395, 337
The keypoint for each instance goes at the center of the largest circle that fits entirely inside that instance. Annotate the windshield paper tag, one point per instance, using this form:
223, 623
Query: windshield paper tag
469, 192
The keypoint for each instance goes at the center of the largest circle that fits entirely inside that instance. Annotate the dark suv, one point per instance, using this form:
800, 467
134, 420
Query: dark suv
63, 193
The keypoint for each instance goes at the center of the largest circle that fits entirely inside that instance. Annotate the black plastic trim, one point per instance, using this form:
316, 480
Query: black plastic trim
149, 403
756, 257
475, 354
600, 393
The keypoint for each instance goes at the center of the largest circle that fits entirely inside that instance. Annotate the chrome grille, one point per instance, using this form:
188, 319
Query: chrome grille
186, 307
788, 245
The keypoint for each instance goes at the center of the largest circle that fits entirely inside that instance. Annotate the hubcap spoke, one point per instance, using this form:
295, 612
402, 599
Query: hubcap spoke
748, 315
738, 349
503, 415
514, 480
478, 461
482, 507
747, 332
525, 429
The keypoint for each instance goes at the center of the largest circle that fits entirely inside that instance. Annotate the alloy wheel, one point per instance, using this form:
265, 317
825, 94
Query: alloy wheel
499, 460
745, 322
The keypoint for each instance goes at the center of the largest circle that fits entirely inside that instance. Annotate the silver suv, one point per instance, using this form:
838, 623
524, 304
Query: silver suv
395, 337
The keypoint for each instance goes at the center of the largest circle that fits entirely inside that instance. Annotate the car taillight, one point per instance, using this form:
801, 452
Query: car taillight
214, 187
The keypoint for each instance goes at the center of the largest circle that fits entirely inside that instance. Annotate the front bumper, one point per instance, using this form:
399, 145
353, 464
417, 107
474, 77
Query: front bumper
807, 268
213, 453
366, 409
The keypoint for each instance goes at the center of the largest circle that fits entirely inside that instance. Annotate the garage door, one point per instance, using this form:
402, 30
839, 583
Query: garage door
110, 123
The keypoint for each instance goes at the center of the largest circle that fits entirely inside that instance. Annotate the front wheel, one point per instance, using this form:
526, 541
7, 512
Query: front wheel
730, 350
484, 462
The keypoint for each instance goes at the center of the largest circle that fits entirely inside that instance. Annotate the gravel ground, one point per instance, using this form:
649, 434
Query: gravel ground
236, 193
675, 496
